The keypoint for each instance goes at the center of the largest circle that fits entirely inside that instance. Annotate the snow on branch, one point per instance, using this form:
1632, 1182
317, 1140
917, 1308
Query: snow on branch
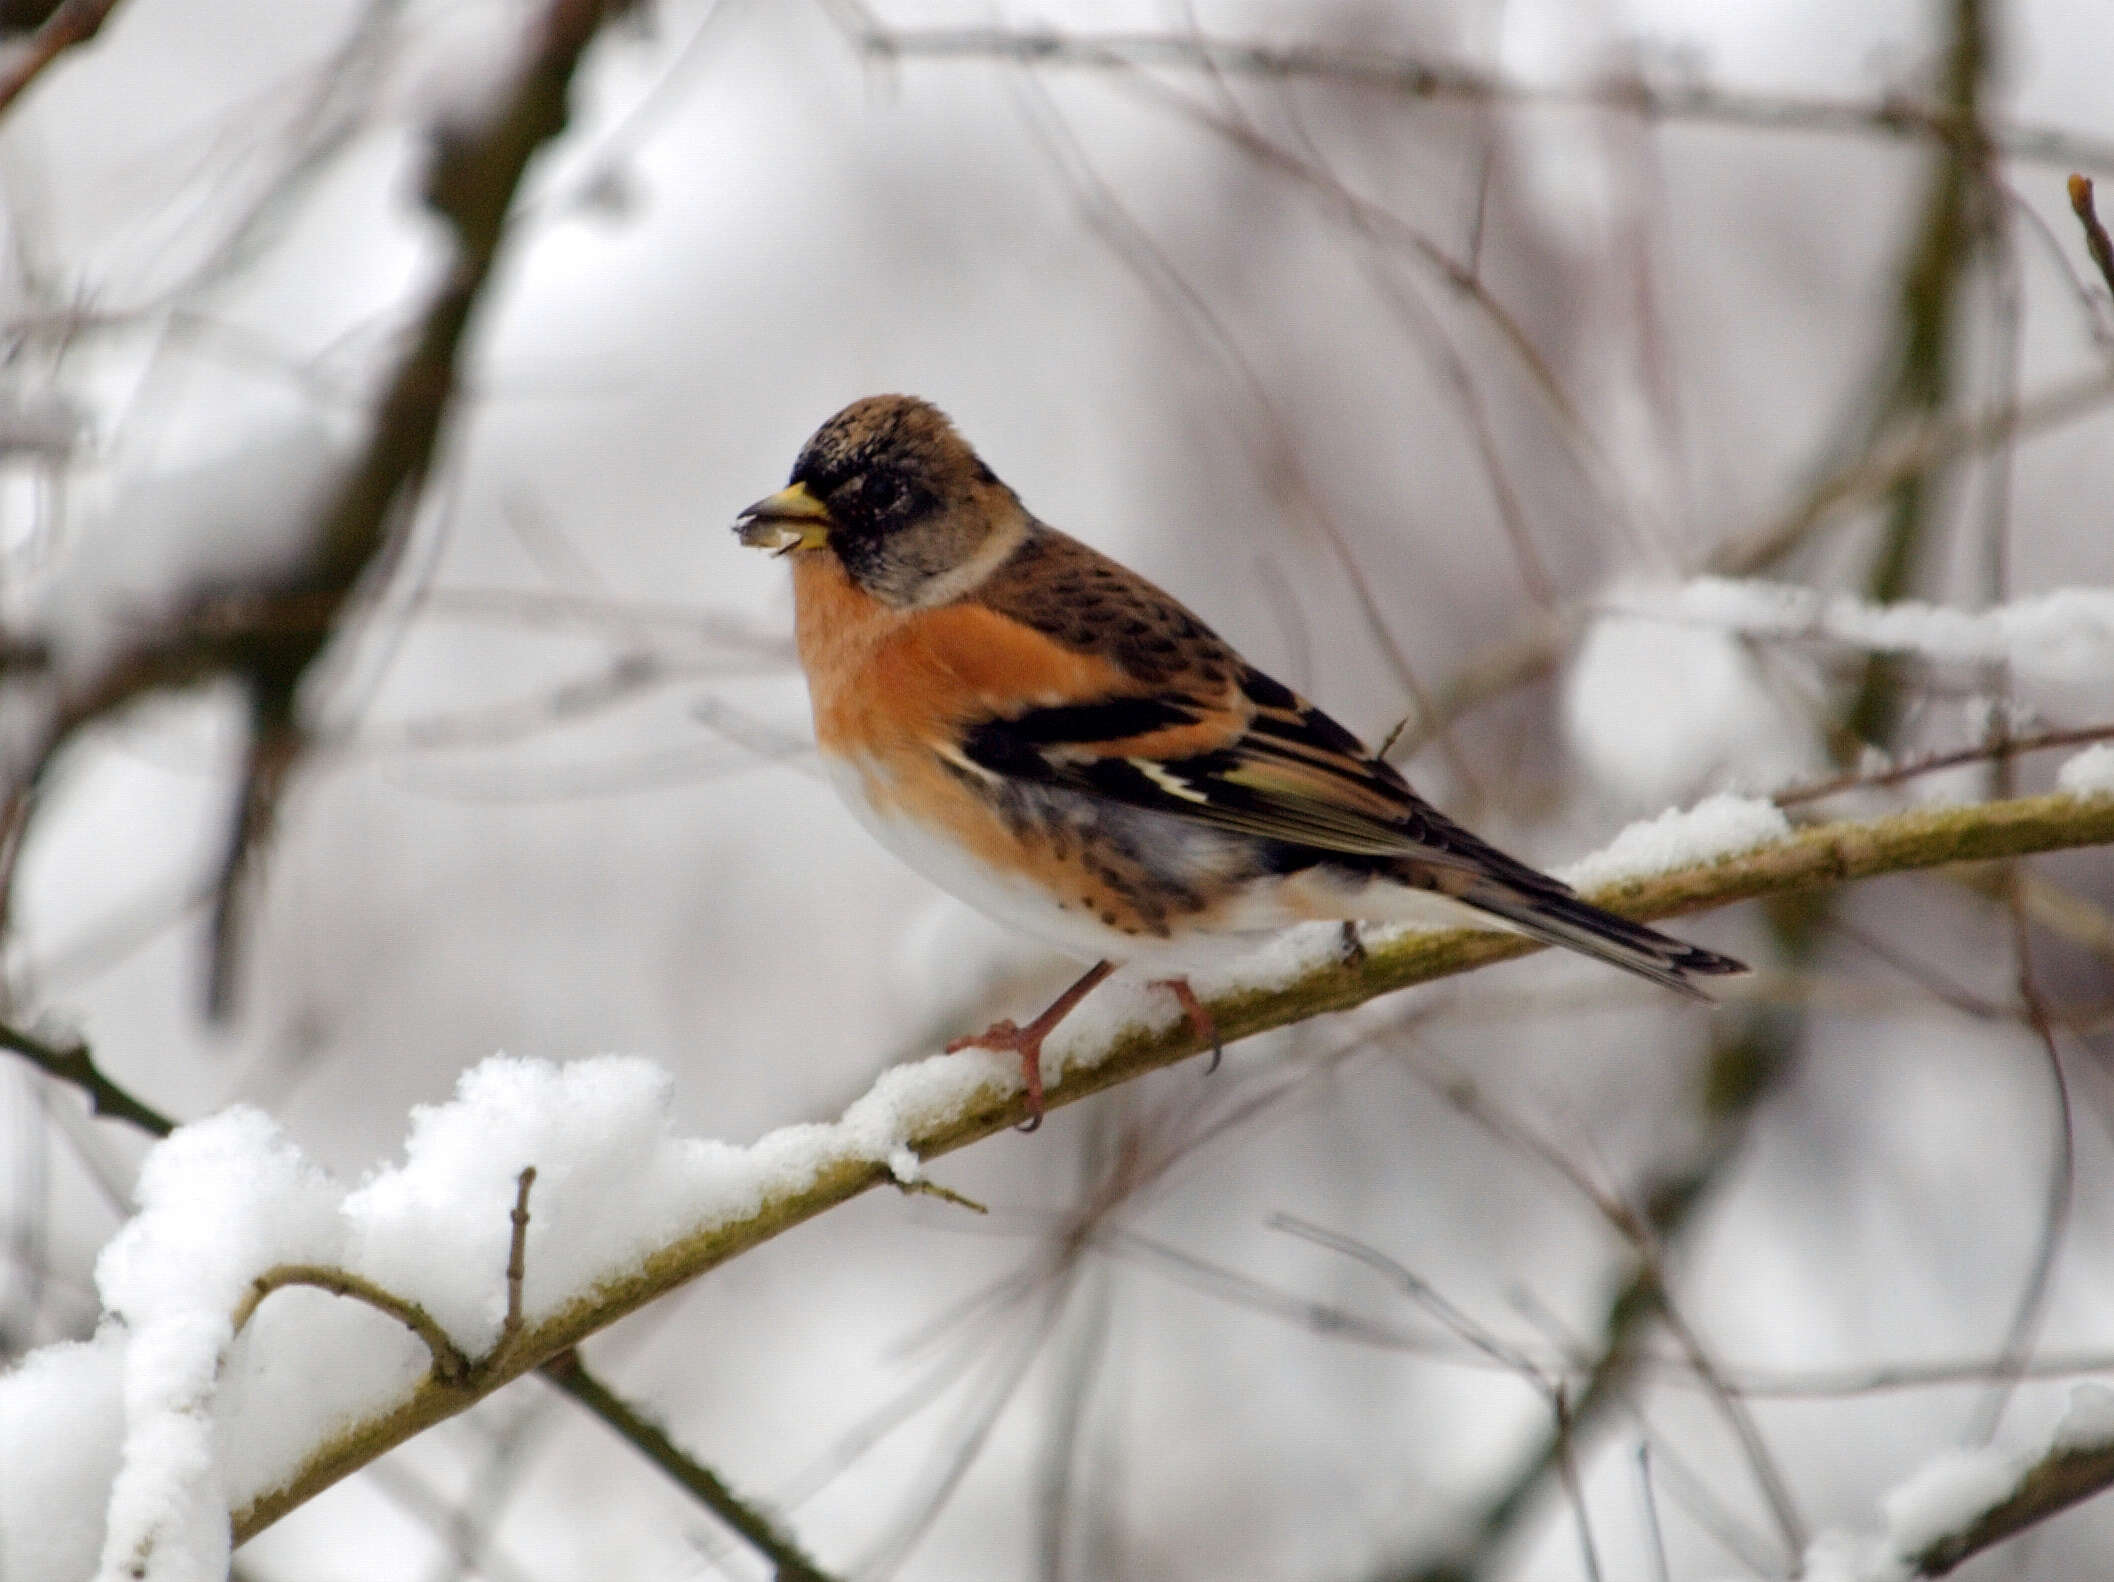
2064, 635
1962, 1502
178, 1430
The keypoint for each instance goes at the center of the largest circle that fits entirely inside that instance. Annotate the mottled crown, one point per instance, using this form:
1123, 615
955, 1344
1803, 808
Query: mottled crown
911, 505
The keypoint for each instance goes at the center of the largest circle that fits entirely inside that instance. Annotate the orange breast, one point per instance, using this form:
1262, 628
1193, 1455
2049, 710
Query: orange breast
891, 690
883, 680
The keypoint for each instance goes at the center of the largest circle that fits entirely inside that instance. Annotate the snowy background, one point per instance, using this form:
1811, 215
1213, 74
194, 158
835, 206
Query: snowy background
557, 800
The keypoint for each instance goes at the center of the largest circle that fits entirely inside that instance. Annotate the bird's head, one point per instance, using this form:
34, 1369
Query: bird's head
889, 488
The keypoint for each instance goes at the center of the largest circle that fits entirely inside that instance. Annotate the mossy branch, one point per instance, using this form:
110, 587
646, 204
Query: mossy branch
2063, 1477
1822, 855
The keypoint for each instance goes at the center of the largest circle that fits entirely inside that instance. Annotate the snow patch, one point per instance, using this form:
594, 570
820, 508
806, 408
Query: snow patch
2088, 1423
1717, 827
2065, 635
2089, 773
1945, 1494
137, 1447
62, 1420
1837, 1556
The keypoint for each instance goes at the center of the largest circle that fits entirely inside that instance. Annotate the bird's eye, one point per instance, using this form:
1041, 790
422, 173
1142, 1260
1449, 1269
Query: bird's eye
881, 492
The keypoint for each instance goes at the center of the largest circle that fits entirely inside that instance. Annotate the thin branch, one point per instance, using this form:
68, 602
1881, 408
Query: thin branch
792, 1564
2061, 1194
1808, 859
1650, 1508
1461, 1325
1574, 1489
517, 1256
1893, 115
1745, 1068
2005, 747
72, 1063
451, 1365
2096, 240
73, 22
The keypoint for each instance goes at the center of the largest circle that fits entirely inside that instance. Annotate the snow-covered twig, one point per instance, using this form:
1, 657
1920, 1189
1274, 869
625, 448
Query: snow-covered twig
2065, 634
1303, 980
1963, 1502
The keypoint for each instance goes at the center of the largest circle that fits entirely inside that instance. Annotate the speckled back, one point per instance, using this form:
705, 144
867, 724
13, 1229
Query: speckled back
1080, 597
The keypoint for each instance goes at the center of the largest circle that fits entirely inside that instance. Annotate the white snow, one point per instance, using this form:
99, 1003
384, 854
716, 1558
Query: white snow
2064, 635
1837, 1556
62, 1415
219, 1203
2089, 773
139, 1445
2088, 1423
1719, 826
1946, 1493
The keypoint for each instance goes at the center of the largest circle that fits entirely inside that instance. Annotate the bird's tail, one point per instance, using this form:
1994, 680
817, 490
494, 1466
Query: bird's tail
1557, 917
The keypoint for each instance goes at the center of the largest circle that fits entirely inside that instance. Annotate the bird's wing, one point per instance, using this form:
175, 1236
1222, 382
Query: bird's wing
1176, 722
1280, 771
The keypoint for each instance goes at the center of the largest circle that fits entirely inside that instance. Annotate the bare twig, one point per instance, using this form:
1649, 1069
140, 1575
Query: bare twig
1761, 1056
71, 1062
925, 1186
1650, 1505
452, 1366
2096, 240
1985, 752
1894, 115
569, 1373
517, 1256
1574, 1489
2059, 1198
1462, 1326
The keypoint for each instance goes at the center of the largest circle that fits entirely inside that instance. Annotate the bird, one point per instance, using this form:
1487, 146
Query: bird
1067, 748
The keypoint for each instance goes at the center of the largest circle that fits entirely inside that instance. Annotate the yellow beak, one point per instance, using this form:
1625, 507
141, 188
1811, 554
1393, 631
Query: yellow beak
788, 520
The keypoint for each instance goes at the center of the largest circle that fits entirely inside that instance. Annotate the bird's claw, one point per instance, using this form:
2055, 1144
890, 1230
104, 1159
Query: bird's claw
1201, 1021
1009, 1035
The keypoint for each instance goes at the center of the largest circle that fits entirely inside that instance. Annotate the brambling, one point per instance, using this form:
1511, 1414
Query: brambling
1069, 750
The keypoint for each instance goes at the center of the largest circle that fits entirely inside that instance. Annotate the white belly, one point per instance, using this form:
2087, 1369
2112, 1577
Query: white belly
1017, 903
1266, 906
